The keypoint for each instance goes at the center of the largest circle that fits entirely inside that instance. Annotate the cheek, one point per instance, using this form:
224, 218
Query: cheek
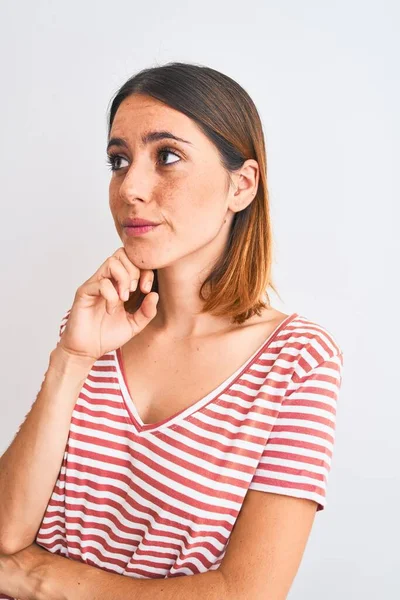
208, 200
173, 196
112, 193
183, 192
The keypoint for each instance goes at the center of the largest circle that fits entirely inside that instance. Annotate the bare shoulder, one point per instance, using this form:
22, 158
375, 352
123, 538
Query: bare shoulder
250, 334
269, 318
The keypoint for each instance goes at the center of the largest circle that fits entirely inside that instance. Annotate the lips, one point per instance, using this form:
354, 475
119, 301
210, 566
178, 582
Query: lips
139, 230
138, 222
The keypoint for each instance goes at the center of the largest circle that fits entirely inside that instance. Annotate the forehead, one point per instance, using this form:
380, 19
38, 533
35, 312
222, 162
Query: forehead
138, 113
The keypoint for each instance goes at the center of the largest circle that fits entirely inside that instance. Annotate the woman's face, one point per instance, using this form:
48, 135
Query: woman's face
181, 185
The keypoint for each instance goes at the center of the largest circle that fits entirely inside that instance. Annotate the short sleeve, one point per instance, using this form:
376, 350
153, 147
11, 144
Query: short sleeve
297, 456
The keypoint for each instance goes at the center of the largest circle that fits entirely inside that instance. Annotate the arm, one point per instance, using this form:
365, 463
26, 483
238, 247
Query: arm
71, 580
271, 532
35, 574
261, 561
30, 466
263, 556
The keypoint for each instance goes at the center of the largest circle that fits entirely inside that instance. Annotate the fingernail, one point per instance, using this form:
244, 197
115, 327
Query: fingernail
133, 285
125, 295
147, 286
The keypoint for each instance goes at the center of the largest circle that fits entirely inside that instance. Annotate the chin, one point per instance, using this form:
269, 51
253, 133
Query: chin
142, 259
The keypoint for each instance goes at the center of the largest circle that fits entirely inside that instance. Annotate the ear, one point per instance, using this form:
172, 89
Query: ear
244, 185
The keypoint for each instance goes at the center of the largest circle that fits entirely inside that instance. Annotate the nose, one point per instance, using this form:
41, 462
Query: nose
136, 184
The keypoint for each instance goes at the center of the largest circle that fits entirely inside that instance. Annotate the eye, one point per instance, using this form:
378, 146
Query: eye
166, 150
112, 161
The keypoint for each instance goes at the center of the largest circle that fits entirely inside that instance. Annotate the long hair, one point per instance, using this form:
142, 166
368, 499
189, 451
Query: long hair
237, 285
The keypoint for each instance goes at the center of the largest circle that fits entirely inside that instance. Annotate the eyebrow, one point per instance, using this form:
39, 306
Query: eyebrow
147, 138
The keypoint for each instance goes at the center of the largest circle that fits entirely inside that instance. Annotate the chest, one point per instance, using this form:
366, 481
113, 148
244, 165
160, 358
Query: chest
165, 377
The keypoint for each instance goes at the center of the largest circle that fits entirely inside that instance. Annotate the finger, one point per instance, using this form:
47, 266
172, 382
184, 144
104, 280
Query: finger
133, 270
147, 281
146, 276
103, 270
105, 288
109, 294
145, 313
115, 270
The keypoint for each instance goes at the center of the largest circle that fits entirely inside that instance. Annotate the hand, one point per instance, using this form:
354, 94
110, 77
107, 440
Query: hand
21, 573
98, 322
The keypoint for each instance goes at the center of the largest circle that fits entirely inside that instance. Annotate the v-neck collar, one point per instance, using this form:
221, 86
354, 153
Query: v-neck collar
214, 394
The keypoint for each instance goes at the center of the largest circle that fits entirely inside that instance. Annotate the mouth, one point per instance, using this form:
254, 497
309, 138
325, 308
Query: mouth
136, 222
140, 229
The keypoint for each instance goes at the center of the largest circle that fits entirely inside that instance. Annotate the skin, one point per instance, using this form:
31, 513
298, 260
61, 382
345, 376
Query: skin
190, 193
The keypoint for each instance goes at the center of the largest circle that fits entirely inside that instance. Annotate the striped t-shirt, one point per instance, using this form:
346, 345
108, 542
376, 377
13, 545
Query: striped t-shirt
160, 500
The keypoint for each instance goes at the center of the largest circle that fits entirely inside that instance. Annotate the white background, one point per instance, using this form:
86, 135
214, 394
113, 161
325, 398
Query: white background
325, 79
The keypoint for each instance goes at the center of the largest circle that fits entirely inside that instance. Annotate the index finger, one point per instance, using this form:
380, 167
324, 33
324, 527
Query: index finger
146, 276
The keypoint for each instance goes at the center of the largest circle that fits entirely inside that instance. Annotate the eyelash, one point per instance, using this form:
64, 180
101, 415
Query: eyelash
111, 158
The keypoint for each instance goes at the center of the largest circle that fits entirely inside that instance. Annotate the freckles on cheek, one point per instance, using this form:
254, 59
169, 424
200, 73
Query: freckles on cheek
112, 193
172, 194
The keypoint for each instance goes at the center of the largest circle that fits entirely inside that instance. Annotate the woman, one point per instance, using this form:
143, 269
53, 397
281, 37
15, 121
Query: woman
188, 425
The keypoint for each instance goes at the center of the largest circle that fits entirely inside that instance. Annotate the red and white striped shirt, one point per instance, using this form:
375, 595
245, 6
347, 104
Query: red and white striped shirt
160, 500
